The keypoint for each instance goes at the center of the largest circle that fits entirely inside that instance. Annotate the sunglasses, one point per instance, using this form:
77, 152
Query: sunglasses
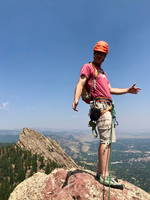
99, 53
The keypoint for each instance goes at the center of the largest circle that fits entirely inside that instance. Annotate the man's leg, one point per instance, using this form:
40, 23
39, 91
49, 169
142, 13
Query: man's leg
103, 159
103, 168
107, 136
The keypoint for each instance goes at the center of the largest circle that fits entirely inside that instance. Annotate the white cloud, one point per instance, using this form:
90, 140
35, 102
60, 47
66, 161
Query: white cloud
3, 105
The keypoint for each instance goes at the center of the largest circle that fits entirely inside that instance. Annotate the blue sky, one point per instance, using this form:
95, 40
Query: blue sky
44, 43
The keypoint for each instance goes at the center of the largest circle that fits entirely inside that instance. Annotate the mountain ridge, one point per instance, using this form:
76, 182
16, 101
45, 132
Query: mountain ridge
42, 145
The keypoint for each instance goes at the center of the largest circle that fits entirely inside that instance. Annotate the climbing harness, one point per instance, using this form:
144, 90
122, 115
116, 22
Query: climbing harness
113, 113
95, 112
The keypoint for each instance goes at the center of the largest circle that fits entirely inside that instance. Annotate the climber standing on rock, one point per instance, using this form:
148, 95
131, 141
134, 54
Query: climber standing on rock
95, 88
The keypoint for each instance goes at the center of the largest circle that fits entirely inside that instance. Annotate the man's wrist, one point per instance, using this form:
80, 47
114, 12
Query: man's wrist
128, 90
76, 100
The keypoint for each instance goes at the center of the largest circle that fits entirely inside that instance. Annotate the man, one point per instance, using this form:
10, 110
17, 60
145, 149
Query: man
94, 79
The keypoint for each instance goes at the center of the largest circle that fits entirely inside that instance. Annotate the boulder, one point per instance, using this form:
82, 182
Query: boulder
73, 184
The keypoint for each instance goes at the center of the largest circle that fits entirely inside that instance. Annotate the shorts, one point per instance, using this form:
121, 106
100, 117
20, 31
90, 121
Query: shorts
105, 127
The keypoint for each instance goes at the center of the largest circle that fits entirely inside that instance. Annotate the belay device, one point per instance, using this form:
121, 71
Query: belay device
94, 116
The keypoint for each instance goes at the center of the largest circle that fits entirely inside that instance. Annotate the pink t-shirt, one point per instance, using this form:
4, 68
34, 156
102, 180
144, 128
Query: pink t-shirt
102, 84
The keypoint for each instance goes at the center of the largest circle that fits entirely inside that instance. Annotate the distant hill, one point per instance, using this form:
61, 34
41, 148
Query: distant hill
9, 132
11, 136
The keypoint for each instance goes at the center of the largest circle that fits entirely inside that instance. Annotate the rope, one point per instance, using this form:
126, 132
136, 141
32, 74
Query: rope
109, 164
114, 123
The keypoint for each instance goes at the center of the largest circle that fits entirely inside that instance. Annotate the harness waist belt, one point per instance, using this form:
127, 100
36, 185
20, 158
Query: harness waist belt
103, 99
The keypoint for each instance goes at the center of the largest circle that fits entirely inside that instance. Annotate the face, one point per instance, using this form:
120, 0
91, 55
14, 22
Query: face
99, 57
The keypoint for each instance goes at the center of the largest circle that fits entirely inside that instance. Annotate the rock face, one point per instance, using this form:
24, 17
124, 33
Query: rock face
73, 184
48, 148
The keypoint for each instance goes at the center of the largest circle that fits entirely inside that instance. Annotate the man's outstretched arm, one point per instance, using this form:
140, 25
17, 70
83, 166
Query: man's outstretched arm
78, 92
133, 90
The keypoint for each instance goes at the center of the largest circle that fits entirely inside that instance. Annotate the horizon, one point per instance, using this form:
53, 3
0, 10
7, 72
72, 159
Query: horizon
120, 134
73, 129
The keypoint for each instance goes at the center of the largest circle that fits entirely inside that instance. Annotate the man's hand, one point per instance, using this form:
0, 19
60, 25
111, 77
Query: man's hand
74, 105
133, 89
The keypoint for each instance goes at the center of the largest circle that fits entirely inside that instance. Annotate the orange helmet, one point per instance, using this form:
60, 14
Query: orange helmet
101, 46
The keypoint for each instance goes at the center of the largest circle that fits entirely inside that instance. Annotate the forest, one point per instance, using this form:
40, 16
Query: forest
16, 165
